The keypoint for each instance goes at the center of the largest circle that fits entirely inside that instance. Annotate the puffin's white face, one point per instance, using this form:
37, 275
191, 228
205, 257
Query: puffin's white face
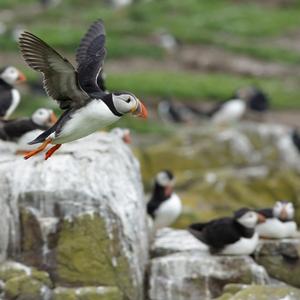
11, 75
163, 179
249, 219
43, 117
126, 103
284, 210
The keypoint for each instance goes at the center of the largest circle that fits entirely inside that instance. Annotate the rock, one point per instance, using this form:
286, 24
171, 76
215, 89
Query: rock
86, 293
80, 215
263, 293
24, 283
281, 259
186, 271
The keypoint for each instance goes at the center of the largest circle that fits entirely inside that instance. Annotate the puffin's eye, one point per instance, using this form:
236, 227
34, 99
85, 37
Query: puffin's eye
128, 100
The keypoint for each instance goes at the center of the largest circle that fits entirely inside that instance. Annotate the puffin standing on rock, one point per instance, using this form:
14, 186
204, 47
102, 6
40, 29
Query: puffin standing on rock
86, 107
9, 96
12, 130
279, 221
164, 206
230, 236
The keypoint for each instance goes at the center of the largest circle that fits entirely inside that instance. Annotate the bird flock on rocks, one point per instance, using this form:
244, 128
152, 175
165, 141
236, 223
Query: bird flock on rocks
234, 235
88, 107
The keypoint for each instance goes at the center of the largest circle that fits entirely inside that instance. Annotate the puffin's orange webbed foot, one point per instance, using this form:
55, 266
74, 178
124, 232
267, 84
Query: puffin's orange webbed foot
51, 151
37, 150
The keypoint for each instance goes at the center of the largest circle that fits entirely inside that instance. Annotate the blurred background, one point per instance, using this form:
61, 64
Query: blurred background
181, 58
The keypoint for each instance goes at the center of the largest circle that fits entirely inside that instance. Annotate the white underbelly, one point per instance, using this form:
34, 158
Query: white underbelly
14, 103
85, 121
243, 246
272, 228
168, 212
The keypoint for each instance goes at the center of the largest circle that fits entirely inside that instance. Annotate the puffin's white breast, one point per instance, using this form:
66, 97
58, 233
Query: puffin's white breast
272, 228
168, 212
15, 94
90, 118
243, 246
231, 111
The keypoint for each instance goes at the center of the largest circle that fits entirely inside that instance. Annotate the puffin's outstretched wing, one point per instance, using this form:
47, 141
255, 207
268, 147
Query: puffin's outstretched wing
60, 77
90, 57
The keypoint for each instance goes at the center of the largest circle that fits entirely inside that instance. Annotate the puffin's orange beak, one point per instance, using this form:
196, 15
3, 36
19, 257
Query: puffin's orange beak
21, 77
127, 138
140, 110
261, 218
53, 118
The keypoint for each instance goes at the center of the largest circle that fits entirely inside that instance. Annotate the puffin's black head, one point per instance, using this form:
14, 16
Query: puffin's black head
284, 210
124, 103
246, 217
256, 99
11, 75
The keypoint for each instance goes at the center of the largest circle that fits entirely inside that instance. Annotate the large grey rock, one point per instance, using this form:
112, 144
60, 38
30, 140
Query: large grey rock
183, 269
281, 259
87, 197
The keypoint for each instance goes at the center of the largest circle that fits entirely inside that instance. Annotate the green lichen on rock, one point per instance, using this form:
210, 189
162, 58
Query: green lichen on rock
24, 286
87, 256
87, 293
258, 292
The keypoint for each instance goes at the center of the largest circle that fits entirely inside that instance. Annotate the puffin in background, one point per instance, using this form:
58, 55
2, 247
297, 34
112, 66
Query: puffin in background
230, 235
9, 96
279, 221
228, 112
164, 206
12, 130
86, 107
295, 135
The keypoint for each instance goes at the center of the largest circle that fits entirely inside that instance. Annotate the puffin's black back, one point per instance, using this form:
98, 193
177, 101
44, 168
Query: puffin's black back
158, 197
5, 97
296, 139
266, 212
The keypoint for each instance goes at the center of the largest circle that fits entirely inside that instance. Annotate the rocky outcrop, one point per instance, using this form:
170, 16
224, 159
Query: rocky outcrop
80, 216
281, 259
183, 269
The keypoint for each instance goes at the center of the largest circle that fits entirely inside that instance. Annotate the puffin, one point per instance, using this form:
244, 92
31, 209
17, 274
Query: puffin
164, 206
279, 222
229, 235
86, 107
9, 95
12, 130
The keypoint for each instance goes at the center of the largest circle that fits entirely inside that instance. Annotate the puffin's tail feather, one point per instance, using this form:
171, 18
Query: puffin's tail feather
42, 137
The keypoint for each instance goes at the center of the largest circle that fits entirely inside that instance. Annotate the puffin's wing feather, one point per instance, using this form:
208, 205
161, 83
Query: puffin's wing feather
90, 57
60, 77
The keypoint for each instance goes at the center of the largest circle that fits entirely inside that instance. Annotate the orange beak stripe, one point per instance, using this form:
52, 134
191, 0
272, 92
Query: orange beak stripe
53, 118
21, 77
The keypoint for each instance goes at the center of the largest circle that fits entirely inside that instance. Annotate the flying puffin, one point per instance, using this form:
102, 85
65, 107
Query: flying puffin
86, 107
12, 130
279, 221
9, 96
231, 235
164, 206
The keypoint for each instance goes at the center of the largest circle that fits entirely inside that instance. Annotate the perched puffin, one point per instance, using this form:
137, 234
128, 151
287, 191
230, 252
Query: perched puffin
228, 111
9, 96
279, 221
255, 98
229, 236
12, 130
164, 206
86, 107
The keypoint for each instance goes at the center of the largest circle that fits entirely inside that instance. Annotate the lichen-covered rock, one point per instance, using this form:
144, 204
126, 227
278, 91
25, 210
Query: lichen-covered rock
187, 271
281, 259
92, 188
24, 283
86, 293
256, 292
